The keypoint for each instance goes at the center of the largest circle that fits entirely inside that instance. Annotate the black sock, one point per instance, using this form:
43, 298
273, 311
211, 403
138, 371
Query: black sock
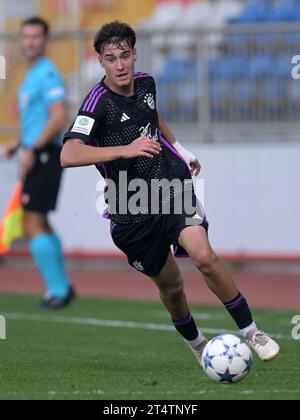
240, 312
187, 328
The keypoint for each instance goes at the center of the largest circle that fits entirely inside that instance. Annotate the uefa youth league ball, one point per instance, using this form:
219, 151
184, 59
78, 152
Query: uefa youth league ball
226, 359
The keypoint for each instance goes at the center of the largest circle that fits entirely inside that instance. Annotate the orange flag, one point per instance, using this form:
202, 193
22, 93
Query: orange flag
11, 227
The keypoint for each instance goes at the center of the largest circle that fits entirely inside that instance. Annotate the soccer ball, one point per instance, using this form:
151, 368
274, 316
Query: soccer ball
226, 359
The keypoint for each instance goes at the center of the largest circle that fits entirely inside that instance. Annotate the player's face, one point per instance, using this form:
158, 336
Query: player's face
118, 63
33, 41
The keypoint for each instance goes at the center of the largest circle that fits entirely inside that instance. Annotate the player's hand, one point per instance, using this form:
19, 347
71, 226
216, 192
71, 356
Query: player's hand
143, 146
28, 160
10, 151
195, 167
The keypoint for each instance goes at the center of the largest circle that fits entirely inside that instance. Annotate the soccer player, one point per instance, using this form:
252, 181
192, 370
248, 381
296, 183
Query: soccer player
42, 104
119, 130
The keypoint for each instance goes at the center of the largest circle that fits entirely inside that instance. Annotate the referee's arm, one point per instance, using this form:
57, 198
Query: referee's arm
57, 122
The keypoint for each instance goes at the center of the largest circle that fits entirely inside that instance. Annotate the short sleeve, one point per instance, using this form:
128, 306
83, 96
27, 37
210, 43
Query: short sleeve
88, 121
53, 87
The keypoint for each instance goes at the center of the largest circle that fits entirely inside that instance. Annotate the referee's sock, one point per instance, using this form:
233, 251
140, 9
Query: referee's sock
48, 255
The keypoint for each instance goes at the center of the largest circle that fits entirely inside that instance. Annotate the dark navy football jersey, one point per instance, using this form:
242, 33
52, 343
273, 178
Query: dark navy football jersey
107, 119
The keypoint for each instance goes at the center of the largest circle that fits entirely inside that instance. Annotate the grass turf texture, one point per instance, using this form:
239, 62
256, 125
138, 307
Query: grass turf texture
44, 359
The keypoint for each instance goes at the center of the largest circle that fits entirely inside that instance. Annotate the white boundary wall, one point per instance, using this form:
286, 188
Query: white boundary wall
252, 199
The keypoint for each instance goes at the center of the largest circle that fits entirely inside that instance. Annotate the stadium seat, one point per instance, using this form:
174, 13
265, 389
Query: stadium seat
225, 10
271, 97
236, 41
244, 93
260, 66
283, 10
293, 98
292, 42
254, 11
219, 94
265, 41
226, 67
178, 69
282, 67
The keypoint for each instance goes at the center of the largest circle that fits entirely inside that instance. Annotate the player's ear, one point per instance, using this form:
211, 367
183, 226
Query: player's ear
100, 58
135, 54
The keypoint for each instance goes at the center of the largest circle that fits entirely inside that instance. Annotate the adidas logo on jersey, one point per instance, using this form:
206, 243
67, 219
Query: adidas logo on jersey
125, 118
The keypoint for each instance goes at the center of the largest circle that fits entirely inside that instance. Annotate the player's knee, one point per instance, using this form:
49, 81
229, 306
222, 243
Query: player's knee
173, 290
32, 226
29, 228
205, 262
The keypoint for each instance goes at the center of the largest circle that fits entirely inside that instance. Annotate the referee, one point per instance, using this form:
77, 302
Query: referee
43, 108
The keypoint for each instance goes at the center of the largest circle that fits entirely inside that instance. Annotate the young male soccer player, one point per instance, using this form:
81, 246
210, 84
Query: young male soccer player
120, 118
42, 103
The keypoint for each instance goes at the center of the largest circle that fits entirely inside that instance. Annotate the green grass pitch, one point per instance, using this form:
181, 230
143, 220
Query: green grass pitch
111, 350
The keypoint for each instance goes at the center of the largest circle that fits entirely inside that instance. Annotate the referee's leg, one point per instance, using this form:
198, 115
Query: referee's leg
48, 255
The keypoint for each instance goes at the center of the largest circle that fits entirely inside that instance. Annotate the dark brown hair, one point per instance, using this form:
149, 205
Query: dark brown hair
37, 21
114, 33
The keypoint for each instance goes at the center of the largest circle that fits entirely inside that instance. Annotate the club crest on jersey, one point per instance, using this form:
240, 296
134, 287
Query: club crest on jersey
149, 99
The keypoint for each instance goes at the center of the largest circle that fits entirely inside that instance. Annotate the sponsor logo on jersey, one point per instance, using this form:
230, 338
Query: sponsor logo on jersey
149, 132
125, 118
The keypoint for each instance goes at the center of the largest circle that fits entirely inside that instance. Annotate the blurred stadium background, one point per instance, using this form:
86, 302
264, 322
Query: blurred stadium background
224, 76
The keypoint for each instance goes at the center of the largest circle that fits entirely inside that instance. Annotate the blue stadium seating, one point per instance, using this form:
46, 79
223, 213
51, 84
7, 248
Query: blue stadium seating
255, 11
259, 66
282, 67
283, 11
250, 78
177, 68
227, 67
218, 96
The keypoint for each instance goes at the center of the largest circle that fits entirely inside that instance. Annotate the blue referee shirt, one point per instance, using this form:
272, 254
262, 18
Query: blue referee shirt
42, 87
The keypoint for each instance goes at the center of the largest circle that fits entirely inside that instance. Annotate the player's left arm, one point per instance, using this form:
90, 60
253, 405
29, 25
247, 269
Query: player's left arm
189, 157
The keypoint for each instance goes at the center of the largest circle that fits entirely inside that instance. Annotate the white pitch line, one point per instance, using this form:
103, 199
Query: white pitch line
53, 393
118, 324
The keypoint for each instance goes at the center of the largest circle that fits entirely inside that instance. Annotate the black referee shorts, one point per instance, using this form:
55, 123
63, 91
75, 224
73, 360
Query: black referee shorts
41, 186
147, 245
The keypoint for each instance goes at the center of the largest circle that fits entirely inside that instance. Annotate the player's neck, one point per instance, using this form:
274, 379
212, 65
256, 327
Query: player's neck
124, 91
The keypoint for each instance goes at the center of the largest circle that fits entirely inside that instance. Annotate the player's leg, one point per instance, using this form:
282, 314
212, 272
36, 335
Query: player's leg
195, 241
171, 288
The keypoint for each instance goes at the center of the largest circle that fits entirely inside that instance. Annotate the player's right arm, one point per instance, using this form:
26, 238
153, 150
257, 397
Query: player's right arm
77, 153
79, 142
